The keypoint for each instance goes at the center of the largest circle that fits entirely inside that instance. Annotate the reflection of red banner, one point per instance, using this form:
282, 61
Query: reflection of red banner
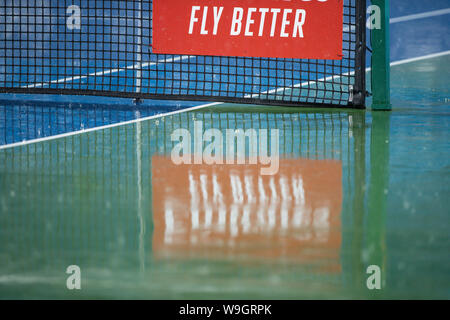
250, 28
231, 210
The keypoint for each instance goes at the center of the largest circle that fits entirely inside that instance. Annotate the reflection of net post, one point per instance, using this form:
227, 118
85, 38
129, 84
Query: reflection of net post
377, 193
358, 126
358, 91
380, 59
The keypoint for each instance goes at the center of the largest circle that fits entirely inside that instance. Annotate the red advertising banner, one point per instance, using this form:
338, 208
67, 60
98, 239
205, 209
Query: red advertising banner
297, 29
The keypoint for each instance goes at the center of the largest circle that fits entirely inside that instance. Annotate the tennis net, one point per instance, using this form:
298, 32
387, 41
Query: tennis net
105, 48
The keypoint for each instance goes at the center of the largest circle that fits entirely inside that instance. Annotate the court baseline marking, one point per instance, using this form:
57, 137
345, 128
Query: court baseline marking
137, 67
74, 133
420, 15
346, 74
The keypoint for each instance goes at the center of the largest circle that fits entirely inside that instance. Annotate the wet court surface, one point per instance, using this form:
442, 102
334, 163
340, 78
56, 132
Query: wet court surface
353, 189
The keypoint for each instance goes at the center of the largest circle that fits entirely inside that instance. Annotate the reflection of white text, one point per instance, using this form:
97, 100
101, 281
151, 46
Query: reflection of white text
245, 205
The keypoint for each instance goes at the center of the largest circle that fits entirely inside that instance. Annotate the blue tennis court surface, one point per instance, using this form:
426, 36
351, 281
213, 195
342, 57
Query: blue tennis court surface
88, 181
410, 38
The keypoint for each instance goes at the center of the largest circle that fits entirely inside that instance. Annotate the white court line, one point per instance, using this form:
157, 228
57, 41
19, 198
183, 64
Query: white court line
346, 74
302, 84
137, 66
73, 133
420, 15
428, 56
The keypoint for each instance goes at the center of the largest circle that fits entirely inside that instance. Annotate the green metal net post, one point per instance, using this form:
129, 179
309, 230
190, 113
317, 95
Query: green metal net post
380, 59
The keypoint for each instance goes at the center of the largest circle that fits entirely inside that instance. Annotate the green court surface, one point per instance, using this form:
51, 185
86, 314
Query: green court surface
93, 200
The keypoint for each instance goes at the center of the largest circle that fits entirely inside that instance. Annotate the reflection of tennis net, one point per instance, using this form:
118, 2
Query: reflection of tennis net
81, 193
45, 49
311, 135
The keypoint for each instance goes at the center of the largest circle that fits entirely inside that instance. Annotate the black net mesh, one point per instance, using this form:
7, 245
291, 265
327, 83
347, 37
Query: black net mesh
44, 48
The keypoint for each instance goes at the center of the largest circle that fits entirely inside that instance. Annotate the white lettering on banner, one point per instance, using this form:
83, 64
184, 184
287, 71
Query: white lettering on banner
263, 18
277, 26
237, 21
193, 18
217, 15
